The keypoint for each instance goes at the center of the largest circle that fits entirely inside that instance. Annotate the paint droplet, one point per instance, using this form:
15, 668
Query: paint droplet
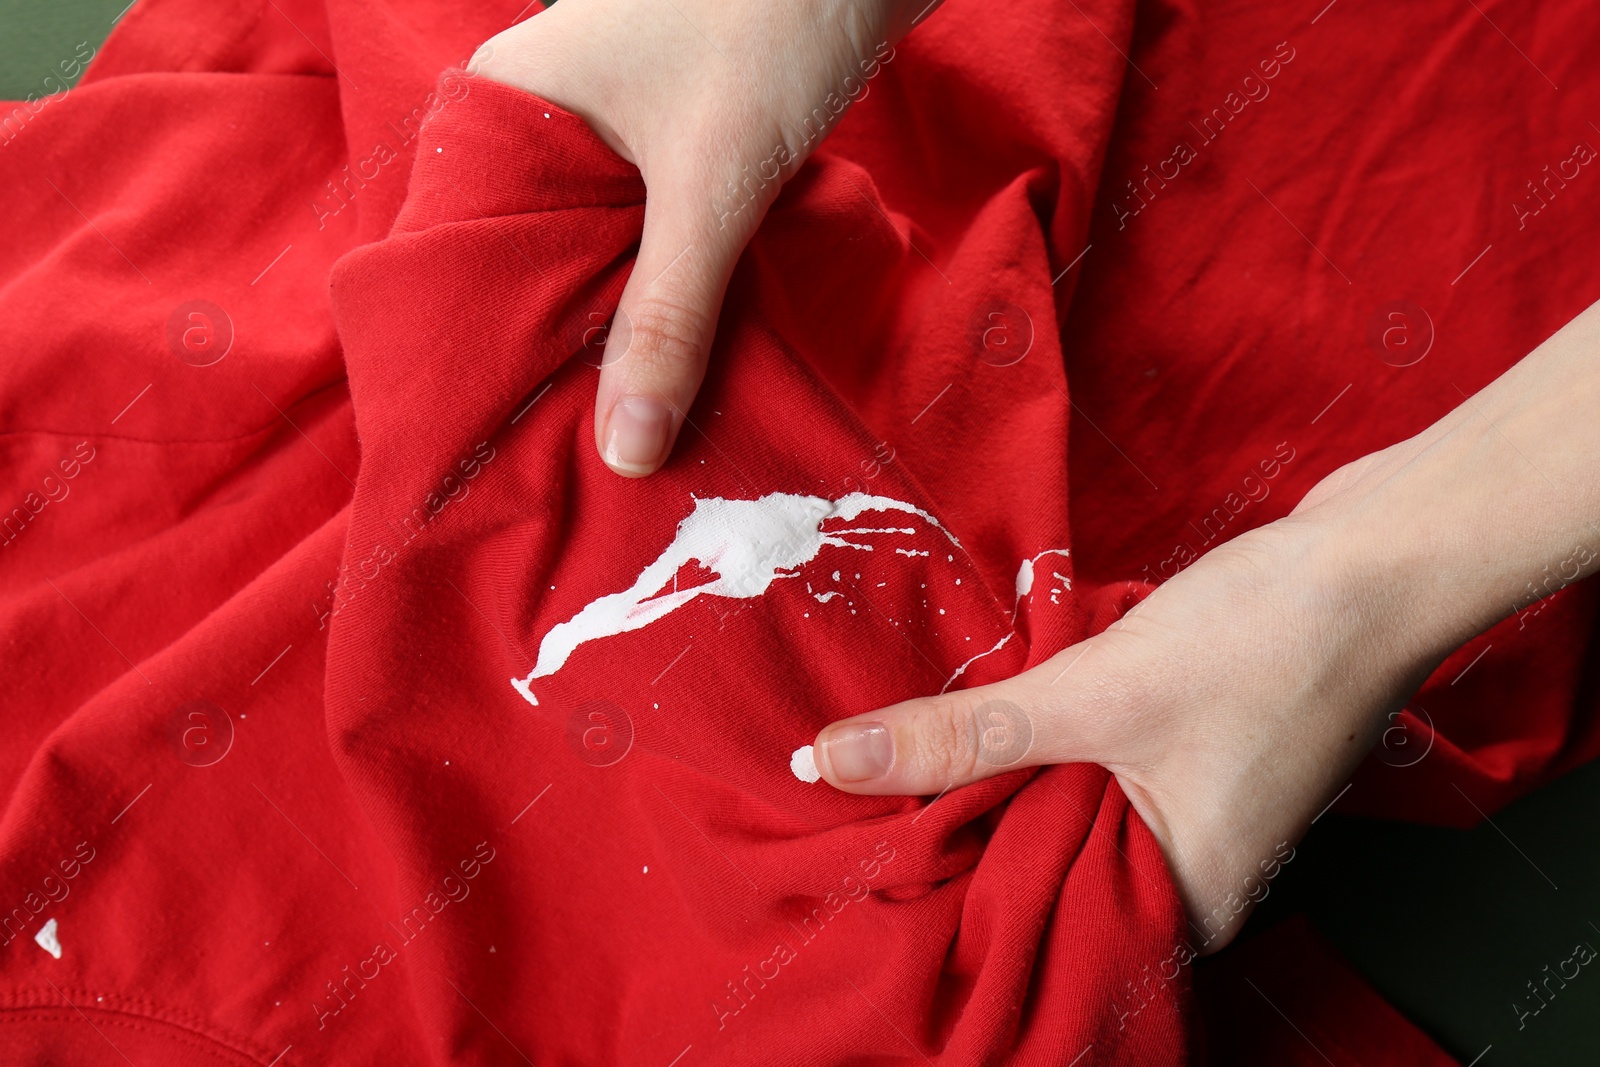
804, 765
47, 940
439, 150
546, 115
647, 870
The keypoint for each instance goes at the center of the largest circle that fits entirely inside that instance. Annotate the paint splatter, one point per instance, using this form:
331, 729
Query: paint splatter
962, 669
1025, 577
47, 940
745, 545
804, 764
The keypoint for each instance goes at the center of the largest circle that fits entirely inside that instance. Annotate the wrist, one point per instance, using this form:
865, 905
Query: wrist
1441, 536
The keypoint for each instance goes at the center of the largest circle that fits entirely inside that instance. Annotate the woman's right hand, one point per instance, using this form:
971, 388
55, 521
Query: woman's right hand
717, 103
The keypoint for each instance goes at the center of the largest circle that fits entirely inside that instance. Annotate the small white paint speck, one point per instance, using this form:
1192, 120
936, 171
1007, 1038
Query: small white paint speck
656, 706
941, 611
547, 114
647, 870
46, 937
836, 576
244, 716
447, 763
439, 150
958, 581
804, 765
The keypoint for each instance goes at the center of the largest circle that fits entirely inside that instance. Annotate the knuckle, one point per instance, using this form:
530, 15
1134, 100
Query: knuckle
949, 740
666, 338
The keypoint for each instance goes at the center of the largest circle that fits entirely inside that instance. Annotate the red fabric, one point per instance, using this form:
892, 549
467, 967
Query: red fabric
350, 532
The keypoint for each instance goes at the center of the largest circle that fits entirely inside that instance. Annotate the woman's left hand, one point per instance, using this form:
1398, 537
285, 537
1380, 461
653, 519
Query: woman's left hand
1231, 703
1234, 699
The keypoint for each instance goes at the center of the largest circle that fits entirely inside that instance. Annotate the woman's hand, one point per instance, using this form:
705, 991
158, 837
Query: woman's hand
717, 103
1231, 704
1237, 697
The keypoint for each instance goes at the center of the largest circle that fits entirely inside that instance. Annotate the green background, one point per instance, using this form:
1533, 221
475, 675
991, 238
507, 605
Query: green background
1448, 925
36, 35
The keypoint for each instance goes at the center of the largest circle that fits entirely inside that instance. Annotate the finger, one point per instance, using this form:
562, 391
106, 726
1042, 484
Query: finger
655, 357
924, 746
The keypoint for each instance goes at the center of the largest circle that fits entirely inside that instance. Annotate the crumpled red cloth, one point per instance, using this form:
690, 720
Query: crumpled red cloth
289, 529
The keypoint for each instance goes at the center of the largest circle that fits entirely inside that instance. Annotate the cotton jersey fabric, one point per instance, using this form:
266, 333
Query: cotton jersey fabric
297, 427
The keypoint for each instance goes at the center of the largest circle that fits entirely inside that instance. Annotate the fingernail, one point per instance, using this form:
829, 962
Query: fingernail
858, 751
636, 434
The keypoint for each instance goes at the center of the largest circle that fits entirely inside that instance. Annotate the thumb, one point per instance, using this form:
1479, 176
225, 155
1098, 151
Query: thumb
655, 356
924, 746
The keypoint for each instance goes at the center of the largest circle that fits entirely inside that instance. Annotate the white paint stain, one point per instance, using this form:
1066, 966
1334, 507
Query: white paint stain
1024, 587
804, 764
1025, 572
1025, 578
744, 544
47, 940
962, 669
823, 598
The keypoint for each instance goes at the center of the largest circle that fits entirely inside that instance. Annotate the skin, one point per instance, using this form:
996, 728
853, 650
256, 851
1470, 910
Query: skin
1234, 702
1237, 698
700, 95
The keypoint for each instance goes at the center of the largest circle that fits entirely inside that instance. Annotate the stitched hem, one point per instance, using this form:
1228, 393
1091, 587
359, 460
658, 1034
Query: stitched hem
19, 1006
